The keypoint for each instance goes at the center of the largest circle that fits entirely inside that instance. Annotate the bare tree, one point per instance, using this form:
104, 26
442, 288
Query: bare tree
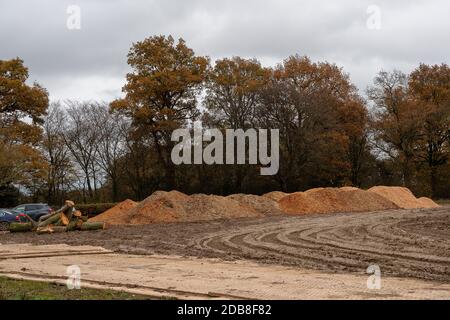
82, 136
111, 147
57, 154
397, 120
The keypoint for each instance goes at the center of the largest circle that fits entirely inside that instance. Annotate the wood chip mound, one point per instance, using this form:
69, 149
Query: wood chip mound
161, 206
332, 200
403, 197
427, 203
117, 214
298, 203
260, 204
275, 195
175, 206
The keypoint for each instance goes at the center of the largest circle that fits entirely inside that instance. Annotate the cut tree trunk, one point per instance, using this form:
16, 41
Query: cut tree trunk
58, 229
51, 220
68, 204
45, 217
69, 213
92, 226
64, 219
20, 227
79, 223
44, 230
72, 224
33, 223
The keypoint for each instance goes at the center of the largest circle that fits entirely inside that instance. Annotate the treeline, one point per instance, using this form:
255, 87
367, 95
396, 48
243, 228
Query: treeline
330, 135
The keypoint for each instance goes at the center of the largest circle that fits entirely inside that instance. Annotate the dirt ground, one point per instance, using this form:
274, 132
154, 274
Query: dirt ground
404, 243
173, 277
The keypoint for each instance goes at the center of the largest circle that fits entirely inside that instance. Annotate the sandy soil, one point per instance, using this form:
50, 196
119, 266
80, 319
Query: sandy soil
404, 243
191, 278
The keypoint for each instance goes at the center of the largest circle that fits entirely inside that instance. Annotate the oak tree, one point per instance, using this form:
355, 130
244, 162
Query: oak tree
22, 107
430, 87
161, 92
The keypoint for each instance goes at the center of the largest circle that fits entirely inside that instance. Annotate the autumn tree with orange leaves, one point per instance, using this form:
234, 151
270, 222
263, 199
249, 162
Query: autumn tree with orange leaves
232, 100
322, 123
329, 134
429, 87
22, 108
412, 123
161, 92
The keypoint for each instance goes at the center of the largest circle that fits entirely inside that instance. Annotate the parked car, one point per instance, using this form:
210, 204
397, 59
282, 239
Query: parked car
34, 210
7, 216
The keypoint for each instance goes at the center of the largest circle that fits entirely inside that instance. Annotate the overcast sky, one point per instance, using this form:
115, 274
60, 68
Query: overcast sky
90, 63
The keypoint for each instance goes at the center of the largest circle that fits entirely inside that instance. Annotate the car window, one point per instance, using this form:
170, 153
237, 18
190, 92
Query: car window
21, 208
32, 207
2, 214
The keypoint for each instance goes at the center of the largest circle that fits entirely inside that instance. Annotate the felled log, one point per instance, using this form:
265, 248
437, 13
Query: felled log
64, 219
45, 217
49, 216
67, 205
20, 227
92, 226
73, 224
79, 223
44, 230
58, 229
51, 220
50, 229
69, 213
33, 223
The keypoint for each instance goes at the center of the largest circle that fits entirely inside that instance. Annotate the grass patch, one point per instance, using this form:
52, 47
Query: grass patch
11, 289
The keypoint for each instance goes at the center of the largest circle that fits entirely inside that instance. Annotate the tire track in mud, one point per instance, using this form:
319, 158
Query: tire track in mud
407, 243
395, 240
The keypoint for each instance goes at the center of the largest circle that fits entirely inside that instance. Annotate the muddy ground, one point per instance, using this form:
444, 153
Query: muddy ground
405, 243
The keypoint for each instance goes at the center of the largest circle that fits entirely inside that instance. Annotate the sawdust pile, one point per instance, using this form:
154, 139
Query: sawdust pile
300, 203
330, 200
160, 206
349, 188
403, 197
275, 195
117, 214
427, 203
175, 206
263, 205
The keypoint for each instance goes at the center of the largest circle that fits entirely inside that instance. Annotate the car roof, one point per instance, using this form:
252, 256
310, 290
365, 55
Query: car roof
32, 204
9, 211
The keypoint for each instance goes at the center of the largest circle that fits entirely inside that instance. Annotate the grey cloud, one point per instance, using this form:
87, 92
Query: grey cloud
91, 62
